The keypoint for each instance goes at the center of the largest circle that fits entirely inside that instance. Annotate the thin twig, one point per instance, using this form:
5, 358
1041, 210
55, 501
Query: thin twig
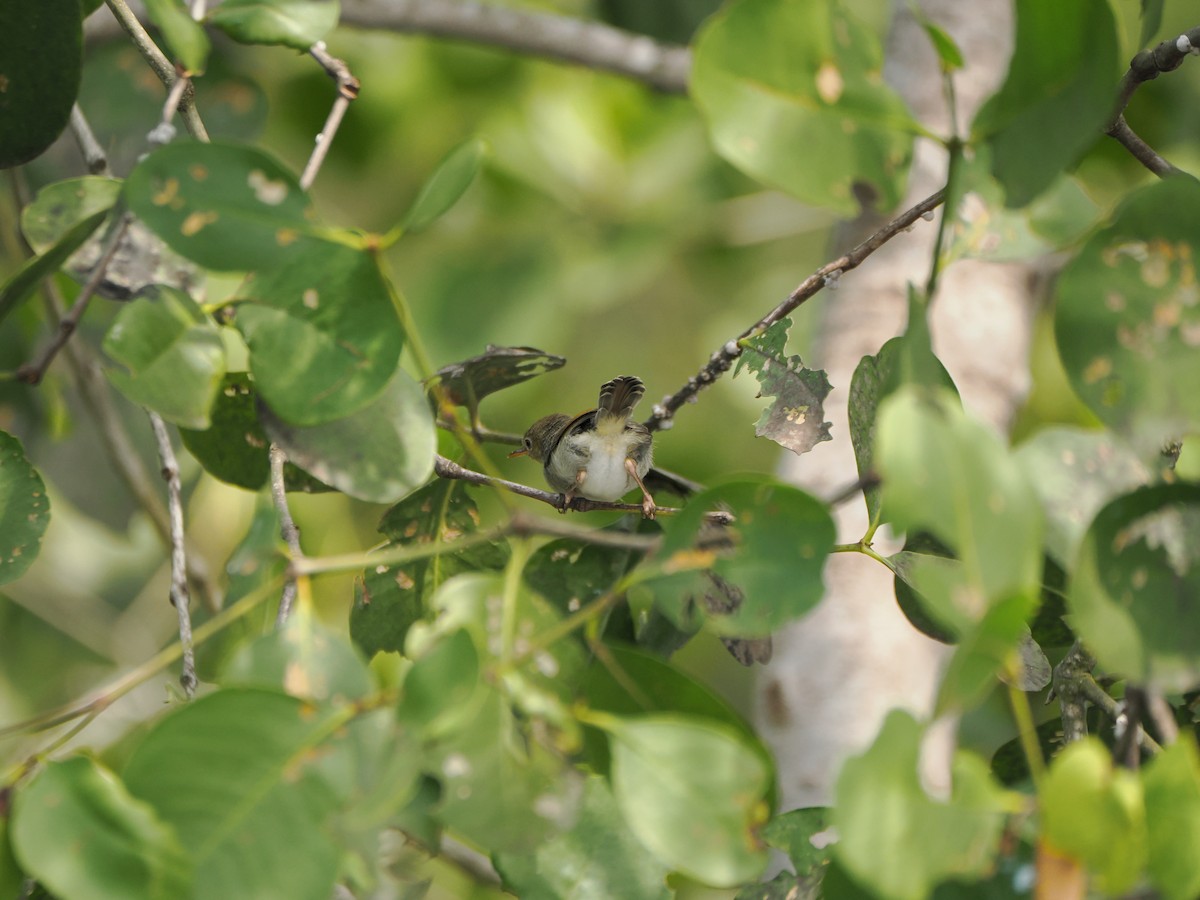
347, 90
94, 156
32, 373
1162, 716
287, 529
160, 64
470, 861
180, 598
1128, 729
590, 44
445, 468
1149, 64
723, 359
1140, 150
1146, 66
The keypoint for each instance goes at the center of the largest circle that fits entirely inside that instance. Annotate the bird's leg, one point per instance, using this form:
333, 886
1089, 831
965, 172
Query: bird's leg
648, 505
569, 496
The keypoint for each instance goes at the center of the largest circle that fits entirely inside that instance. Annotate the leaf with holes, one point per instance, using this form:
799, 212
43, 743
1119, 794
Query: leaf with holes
466, 383
1135, 596
225, 206
796, 420
1127, 318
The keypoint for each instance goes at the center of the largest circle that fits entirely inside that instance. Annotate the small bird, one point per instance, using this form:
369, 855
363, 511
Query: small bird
600, 454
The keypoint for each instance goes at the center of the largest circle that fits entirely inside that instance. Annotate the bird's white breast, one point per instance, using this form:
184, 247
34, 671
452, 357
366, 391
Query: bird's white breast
603, 455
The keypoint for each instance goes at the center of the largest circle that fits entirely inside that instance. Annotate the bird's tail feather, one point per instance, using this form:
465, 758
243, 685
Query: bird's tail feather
618, 398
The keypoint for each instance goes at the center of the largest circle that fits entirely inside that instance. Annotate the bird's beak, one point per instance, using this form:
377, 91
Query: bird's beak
521, 452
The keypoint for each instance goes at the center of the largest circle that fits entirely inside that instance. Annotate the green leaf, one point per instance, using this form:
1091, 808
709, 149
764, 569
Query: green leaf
503, 788
323, 333
1152, 11
898, 841
255, 564
232, 773
12, 879
792, 94
24, 510
984, 228
1058, 95
1127, 321
1075, 472
41, 45
694, 792
305, 659
571, 574
379, 453
795, 419
441, 692
79, 832
234, 448
949, 475
1093, 812
23, 282
944, 46
998, 646
928, 582
635, 682
805, 836
466, 383
173, 356
390, 599
597, 858
907, 359
774, 553
60, 206
505, 785
1172, 791
448, 182
185, 37
227, 207
292, 23
1135, 596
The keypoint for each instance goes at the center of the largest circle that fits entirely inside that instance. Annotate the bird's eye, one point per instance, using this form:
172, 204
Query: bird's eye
528, 443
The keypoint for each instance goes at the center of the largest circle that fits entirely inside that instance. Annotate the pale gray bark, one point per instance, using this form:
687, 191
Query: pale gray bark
838, 671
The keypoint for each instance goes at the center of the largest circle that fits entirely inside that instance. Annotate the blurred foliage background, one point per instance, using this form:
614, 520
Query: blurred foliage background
603, 229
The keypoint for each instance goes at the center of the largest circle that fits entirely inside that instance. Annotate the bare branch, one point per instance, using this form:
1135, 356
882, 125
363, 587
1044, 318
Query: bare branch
590, 44
1149, 64
723, 359
160, 64
1146, 66
287, 529
94, 156
179, 589
445, 468
347, 91
1162, 716
1140, 150
32, 373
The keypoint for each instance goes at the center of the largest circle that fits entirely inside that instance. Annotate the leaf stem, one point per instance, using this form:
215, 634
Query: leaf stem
1027, 733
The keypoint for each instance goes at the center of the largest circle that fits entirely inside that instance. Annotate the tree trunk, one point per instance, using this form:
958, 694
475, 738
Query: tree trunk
838, 671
